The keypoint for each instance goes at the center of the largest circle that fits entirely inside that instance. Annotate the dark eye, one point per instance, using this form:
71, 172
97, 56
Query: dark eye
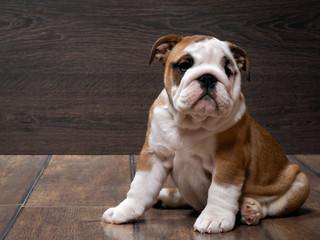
184, 66
227, 68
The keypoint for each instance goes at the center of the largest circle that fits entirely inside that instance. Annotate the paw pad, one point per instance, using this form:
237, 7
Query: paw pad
250, 211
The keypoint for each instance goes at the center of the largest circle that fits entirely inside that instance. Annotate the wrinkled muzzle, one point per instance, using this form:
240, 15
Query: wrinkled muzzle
202, 91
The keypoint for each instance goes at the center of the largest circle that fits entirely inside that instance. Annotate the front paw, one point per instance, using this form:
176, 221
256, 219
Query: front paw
214, 222
120, 214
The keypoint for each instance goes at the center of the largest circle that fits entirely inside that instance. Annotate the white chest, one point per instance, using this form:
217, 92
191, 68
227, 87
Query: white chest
189, 153
193, 166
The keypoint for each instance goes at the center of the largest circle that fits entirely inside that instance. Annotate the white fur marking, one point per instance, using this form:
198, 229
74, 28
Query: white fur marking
219, 214
143, 193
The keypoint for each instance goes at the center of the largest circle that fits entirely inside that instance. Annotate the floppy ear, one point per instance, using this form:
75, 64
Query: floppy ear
241, 57
161, 48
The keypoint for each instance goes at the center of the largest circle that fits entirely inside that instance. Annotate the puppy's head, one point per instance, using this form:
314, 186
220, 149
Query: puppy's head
202, 73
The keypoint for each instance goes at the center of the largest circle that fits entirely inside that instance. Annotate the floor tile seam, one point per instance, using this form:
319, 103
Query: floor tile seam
135, 226
11, 222
266, 233
9, 204
132, 166
25, 199
311, 169
35, 182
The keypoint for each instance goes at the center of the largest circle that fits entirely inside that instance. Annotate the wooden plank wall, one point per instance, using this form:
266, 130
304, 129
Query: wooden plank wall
75, 77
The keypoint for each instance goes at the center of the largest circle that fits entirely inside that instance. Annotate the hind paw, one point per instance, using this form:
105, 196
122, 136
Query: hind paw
250, 211
170, 198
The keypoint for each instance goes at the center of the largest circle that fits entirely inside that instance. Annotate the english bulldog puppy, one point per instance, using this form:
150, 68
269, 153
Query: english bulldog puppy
200, 132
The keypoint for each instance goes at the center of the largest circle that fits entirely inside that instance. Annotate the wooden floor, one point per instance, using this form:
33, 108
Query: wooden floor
64, 196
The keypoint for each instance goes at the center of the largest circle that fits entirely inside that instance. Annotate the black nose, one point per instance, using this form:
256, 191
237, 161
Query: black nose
207, 81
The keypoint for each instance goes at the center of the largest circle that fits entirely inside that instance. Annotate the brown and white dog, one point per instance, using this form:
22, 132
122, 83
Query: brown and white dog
200, 131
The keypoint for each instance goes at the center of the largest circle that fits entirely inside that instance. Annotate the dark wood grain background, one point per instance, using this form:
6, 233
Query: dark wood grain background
75, 77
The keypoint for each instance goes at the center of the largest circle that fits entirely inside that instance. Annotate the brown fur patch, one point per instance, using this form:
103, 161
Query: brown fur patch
295, 197
232, 154
247, 153
242, 58
144, 163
